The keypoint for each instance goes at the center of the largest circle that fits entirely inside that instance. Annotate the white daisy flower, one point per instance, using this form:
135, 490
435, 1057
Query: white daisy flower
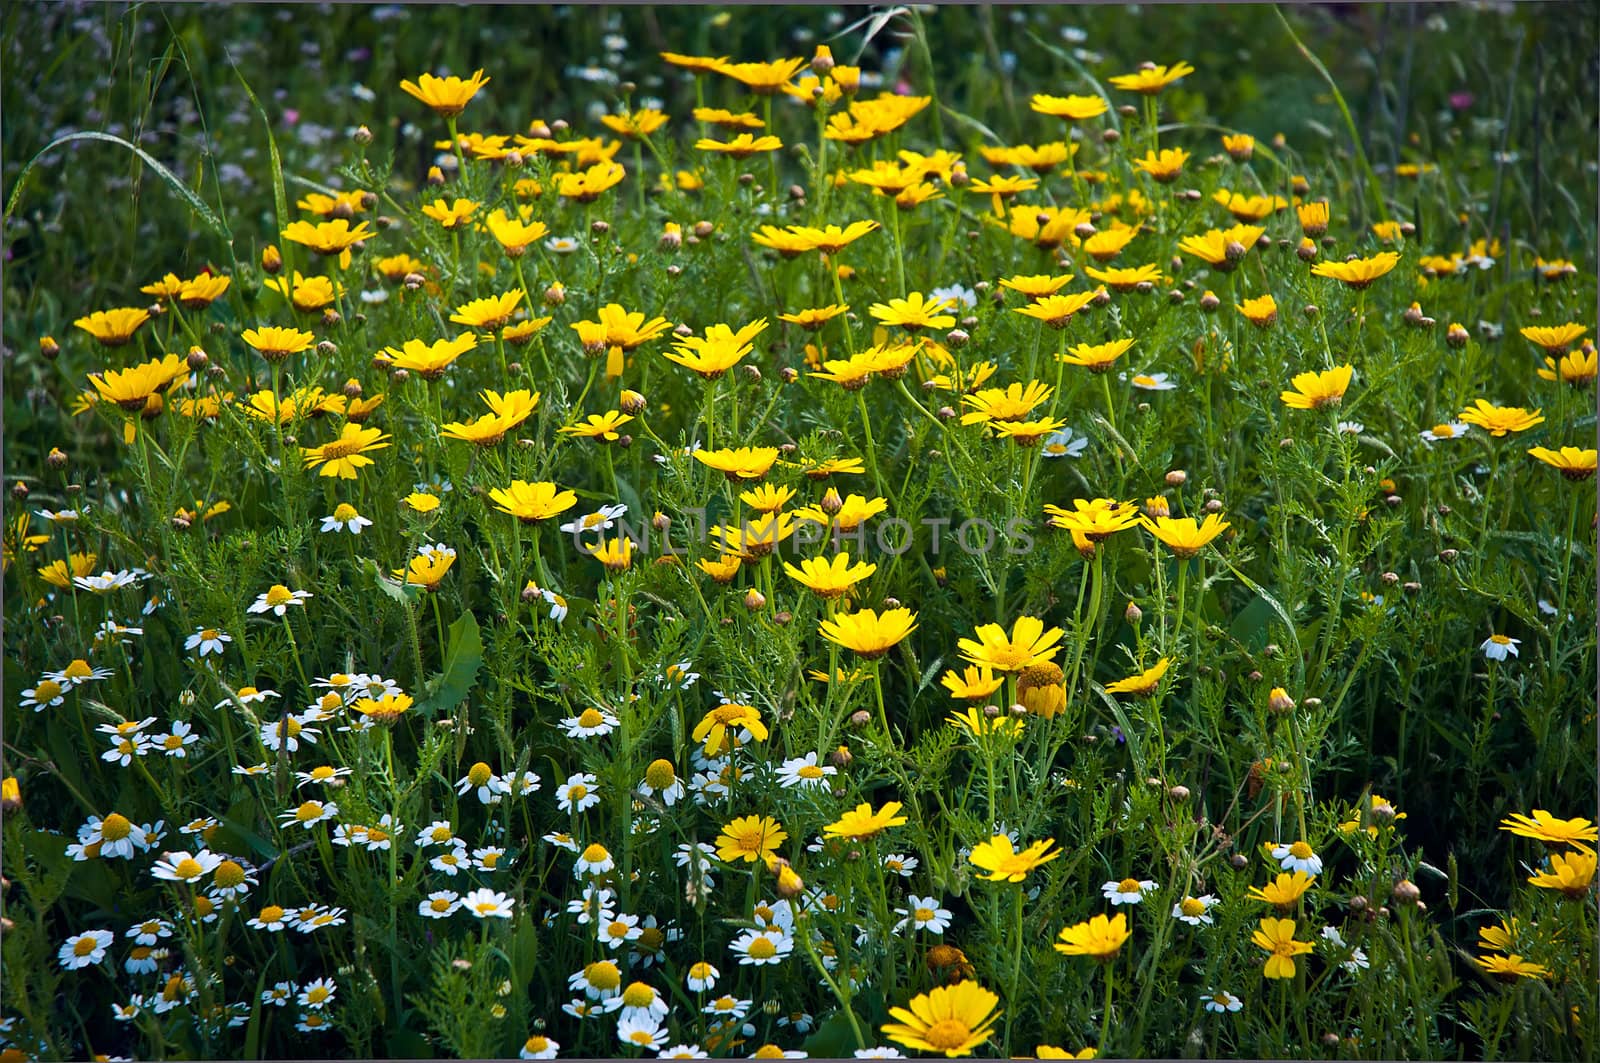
600, 520
279, 995
900, 864
539, 1047
47, 694
488, 904
207, 640
1152, 382
521, 785
181, 867
308, 814
317, 994
1498, 647
452, 861
287, 733
1063, 444
579, 793
922, 913
1194, 910
595, 860
683, 1052
440, 904
439, 832
85, 949
176, 742
805, 771
124, 749
701, 977
345, 518
1222, 1001
638, 1001
1126, 891
1439, 432
879, 1053
600, 980
481, 778
277, 599
1297, 857
110, 581
561, 245
150, 932
755, 948
562, 840
591, 723
489, 859
727, 1006
615, 929
641, 1033
313, 1022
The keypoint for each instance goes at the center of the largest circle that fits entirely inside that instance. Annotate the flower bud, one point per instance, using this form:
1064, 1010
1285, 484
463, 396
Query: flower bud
48, 347
413, 281
860, 718
19, 491
435, 176
1456, 336
56, 459
556, 294
1178, 793
327, 348
197, 359
1177, 478
632, 402
957, 338
1279, 701
1133, 614
514, 160
754, 599
1209, 301
1406, 892
1448, 555
788, 374
271, 259
1238, 861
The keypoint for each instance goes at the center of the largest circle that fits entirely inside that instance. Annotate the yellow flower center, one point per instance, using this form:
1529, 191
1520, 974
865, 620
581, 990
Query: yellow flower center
270, 914
1300, 851
810, 771
47, 690
617, 928
278, 594
1193, 907
115, 827
577, 792
651, 938
762, 948
288, 727
1128, 885
660, 774
340, 448
441, 834
440, 904
485, 907
309, 811
479, 774
345, 513
923, 914
85, 946
78, 669
948, 1034
188, 868
321, 773
700, 971
638, 995
590, 718
603, 975
595, 854
316, 995
229, 874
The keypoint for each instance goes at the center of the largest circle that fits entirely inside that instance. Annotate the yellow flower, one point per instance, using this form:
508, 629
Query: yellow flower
814, 319
1575, 463
1142, 684
718, 351
1107, 244
740, 147
113, 328
1316, 390
1313, 218
1510, 968
698, 64
757, 537
1071, 108
598, 426
831, 239
952, 1019
1571, 873
1183, 536
383, 710
640, 123
1262, 311
750, 838
1277, 937
767, 498
1248, 207
1555, 339
1096, 519
1150, 79
275, 344
488, 313
1005, 863
914, 312
1239, 146
1542, 826
343, 456
976, 683
59, 573
1056, 310
1037, 286
1284, 891
618, 328
421, 501
829, 578
451, 215
1498, 420
1164, 166
721, 569
307, 294
868, 633
1041, 159
506, 412
588, 185
726, 119
721, 725
327, 237
1358, 273
1576, 368
532, 502
763, 79
427, 570
1029, 644
862, 822
741, 463
1012, 403
447, 96
1127, 278
1096, 357
132, 388
514, 234
1099, 938
615, 554
345, 204
1222, 248
430, 360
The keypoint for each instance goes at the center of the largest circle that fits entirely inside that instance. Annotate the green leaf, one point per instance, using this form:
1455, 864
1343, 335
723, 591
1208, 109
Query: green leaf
461, 662
213, 221
404, 593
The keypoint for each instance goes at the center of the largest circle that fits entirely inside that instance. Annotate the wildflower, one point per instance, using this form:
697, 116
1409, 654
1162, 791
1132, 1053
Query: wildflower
531, 503
1058, 309
1029, 644
829, 578
814, 319
1127, 890
1095, 519
617, 930
1297, 857
579, 793
641, 1032
1143, 684
1284, 891
1554, 339
1510, 968
750, 838
85, 949
740, 463
309, 813
1221, 1001
1358, 273
590, 723
1183, 537
740, 147
1127, 278
488, 313
601, 519
1099, 938
1571, 873
429, 360
1276, 936
1575, 463
114, 328
271, 918
601, 427
1222, 249
344, 456
1071, 108
447, 96
1544, 827
869, 634
756, 948
427, 570
277, 599
181, 867
1453, 430
345, 518
717, 726
976, 683
327, 237
1498, 647
1499, 420
1005, 863
131, 389
951, 1019
1150, 79
487, 904
1316, 390
763, 79
440, 904
914, 312
1194, 910
862, 822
